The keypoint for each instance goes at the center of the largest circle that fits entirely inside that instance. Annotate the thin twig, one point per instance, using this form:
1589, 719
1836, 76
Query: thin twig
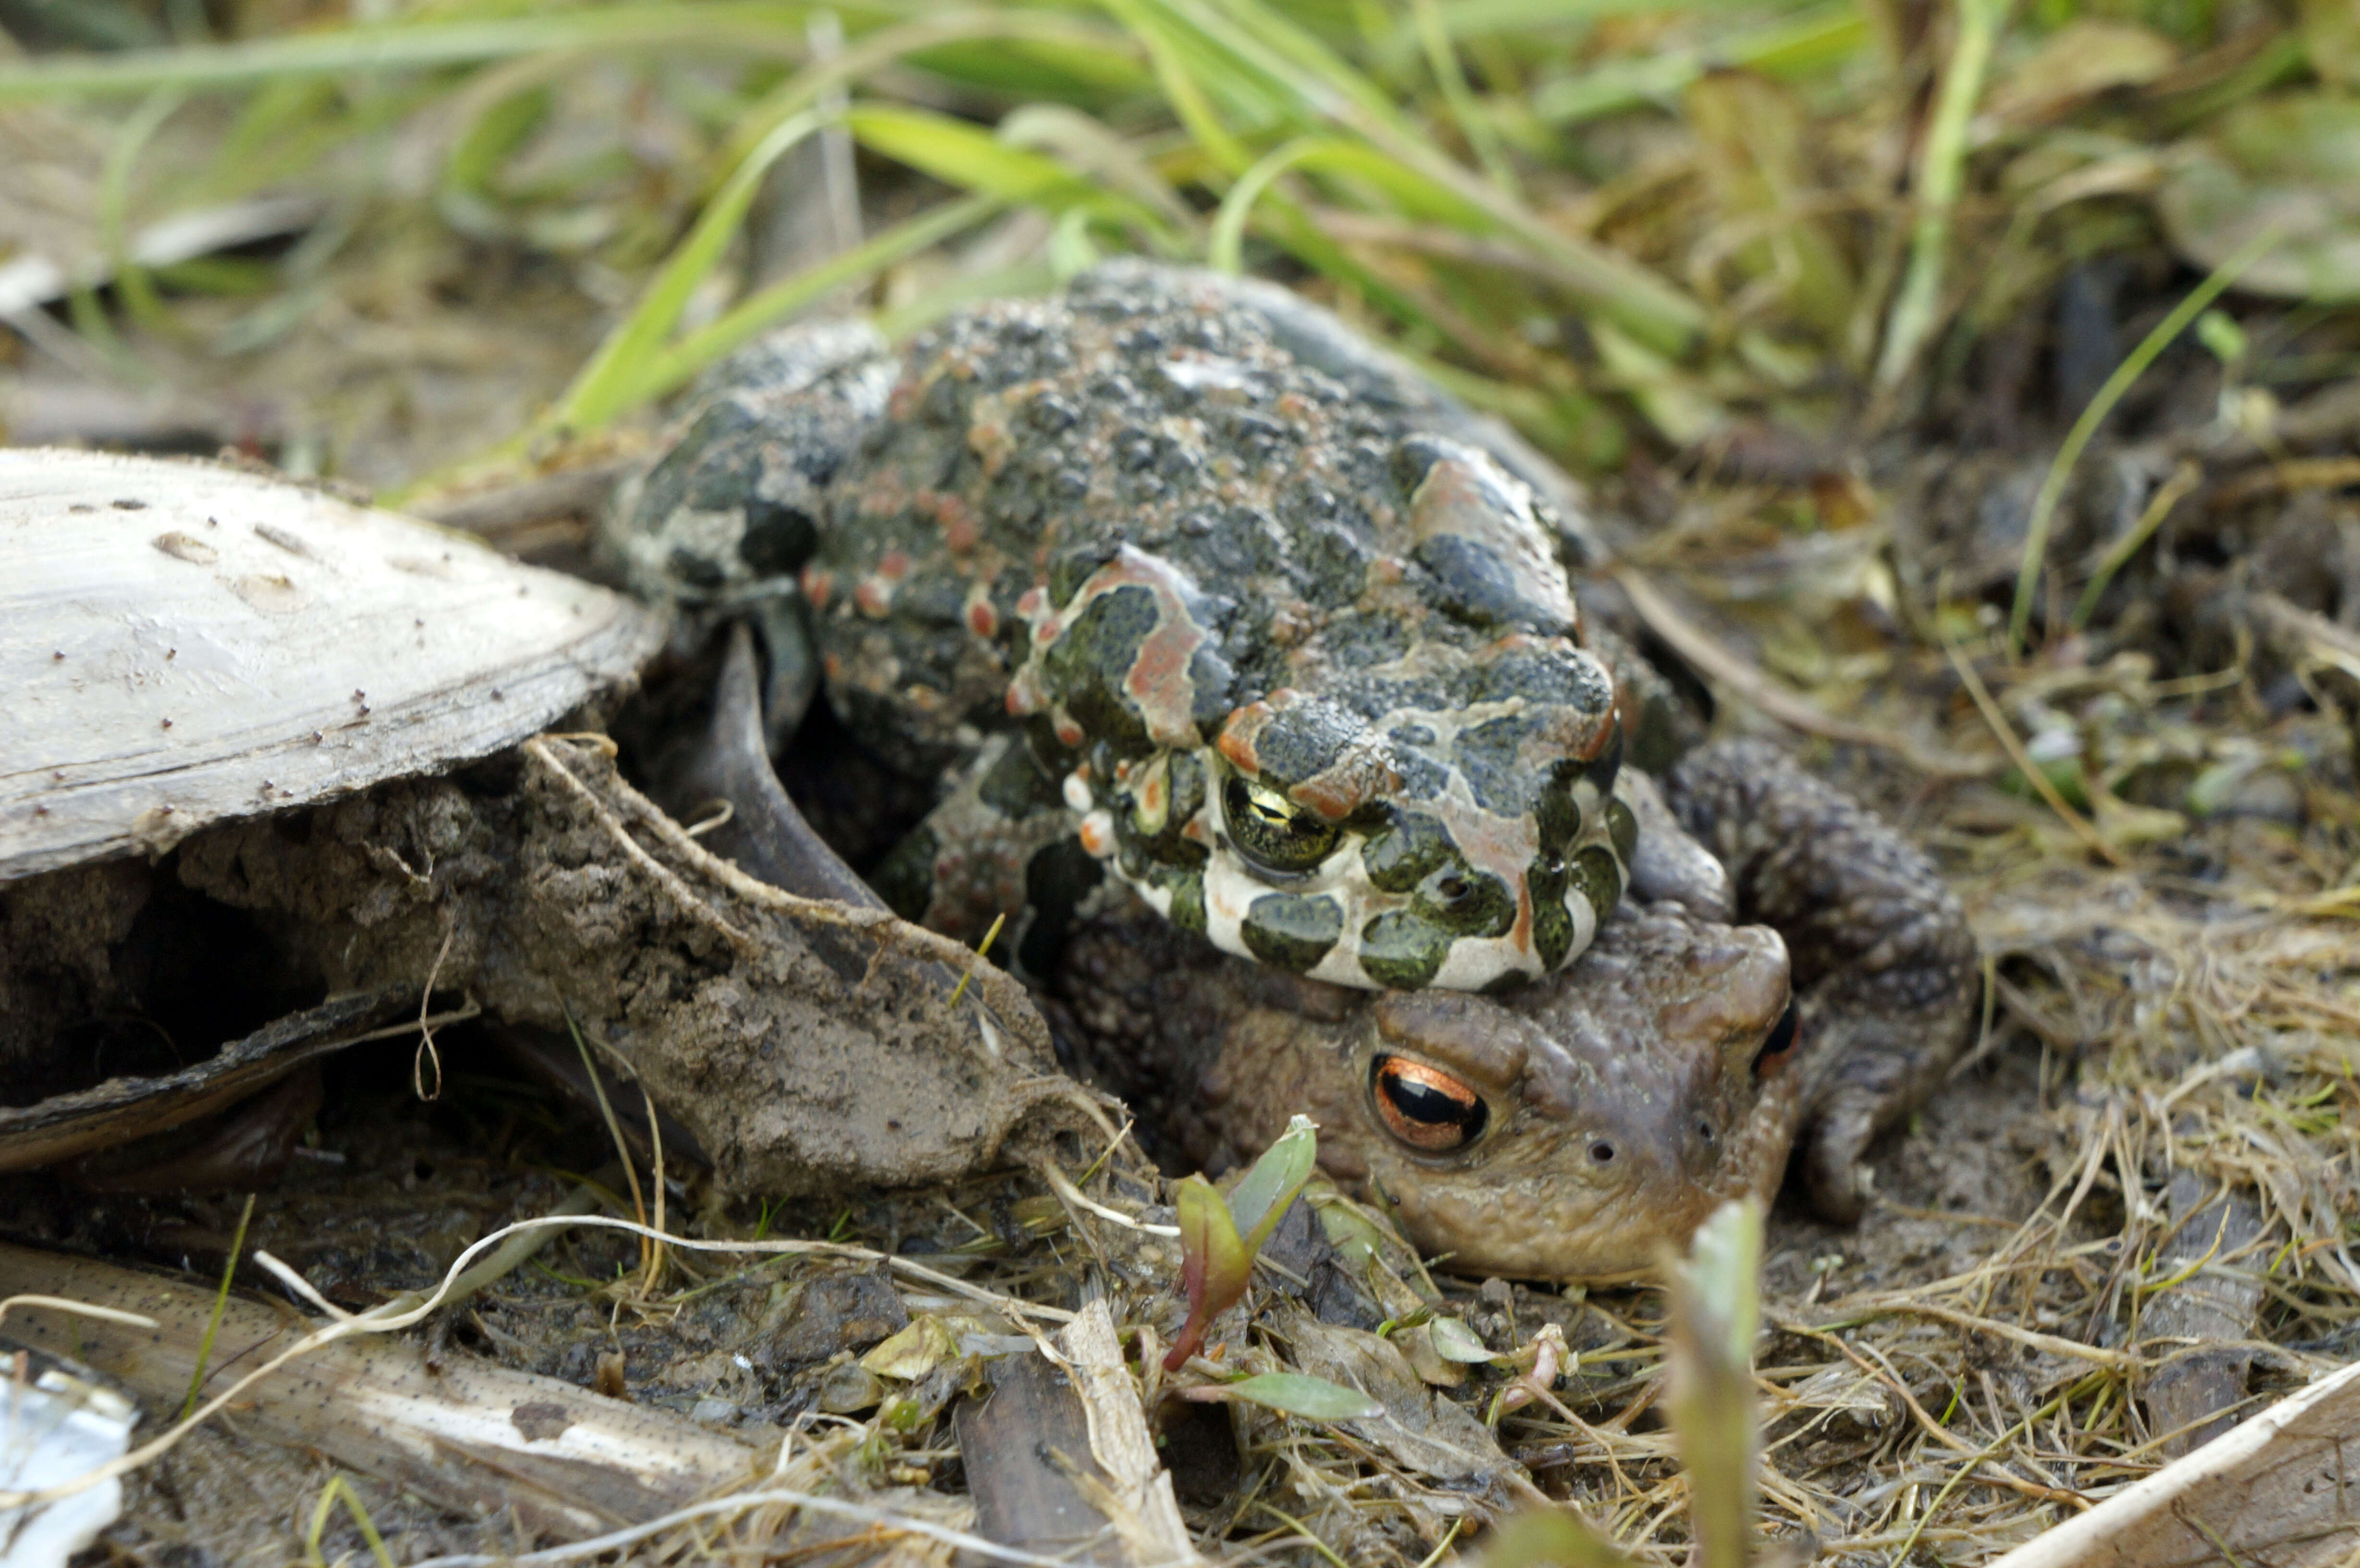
1718, 663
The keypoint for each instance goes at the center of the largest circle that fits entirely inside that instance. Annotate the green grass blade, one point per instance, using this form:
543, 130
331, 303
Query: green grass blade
1940, 172
1412, 192
1263, 1193
605, 386
1709, 1355
713, 27
674, 366
964, 155
1800, 46
1225, 250
1297, 1394
1474, 122
1180, 87
1258, 35
2061, 469
221, 1305
1541, 1539
888, 46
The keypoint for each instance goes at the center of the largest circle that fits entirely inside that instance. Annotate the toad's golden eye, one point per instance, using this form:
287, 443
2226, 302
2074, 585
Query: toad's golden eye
1425, 1106
1273, 831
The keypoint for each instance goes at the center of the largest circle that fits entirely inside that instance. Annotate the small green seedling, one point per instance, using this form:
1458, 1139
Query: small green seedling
1292, 1394
1219, 1238
1708, 1354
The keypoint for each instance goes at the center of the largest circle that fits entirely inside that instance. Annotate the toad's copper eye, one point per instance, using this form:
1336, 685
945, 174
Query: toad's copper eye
1273, 831
1425, 1106
1779, 1048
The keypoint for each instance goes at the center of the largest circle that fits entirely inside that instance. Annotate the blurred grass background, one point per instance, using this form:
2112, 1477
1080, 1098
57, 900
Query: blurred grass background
1632, 227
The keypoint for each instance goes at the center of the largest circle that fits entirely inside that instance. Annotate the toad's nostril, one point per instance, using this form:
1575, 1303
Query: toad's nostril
1601, 1152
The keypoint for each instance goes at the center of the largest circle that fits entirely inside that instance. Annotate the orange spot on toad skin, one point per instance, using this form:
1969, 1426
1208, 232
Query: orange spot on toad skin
1237, 742
1158, 678
1097, 835
818, 586
960, 530
989, 436
1068, 733
1364, 772
873, 596
982, 619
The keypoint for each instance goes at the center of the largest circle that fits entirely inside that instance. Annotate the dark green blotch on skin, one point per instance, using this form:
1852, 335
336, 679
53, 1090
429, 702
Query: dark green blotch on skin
1302, 741
1555, 812
1622, 828
1484, 908
1401, 952
905, 877
1016, 786
1088, 665
1056, 879
1072, 567
1292, 932
1187, 909
1187, 779
1598, 879
1552, 921
1167, 850
1052, 756
1398, 857
712, 469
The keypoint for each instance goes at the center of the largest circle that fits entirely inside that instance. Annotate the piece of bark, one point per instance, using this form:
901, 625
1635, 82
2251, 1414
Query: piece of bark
1142, 1507
472, 1436
1059, 1459
122, 1109
2195, 1334
808, 1047
2276, 1492
1024, 1446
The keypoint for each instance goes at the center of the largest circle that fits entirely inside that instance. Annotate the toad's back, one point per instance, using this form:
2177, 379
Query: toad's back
1303, 666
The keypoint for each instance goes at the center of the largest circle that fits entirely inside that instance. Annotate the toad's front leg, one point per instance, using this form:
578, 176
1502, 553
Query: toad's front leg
1885, 968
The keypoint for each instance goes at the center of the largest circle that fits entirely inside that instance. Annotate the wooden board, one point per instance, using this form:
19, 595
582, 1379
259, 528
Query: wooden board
184, 643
